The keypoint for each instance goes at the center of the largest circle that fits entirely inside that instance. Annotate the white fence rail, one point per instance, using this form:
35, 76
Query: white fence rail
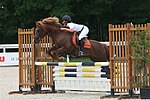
9, 55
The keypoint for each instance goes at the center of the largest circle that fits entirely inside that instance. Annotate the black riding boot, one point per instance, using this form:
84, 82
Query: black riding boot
81, 46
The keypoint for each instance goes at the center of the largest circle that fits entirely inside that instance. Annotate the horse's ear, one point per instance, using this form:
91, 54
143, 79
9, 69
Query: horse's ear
41, 19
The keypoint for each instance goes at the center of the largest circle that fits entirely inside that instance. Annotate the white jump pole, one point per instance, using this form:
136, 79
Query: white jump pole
68, 60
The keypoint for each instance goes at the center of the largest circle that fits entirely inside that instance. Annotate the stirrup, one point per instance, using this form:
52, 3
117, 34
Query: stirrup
80, 53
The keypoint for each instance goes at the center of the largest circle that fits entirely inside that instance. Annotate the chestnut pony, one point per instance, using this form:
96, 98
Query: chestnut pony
62, 42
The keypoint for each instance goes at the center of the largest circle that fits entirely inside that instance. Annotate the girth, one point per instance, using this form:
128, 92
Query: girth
81, 29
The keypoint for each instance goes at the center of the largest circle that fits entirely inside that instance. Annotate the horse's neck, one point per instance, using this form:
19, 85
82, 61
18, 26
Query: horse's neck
53, 32
54, 35
57, 35
60, 35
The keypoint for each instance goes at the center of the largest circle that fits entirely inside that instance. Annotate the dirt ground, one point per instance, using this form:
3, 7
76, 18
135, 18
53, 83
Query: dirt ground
9, 82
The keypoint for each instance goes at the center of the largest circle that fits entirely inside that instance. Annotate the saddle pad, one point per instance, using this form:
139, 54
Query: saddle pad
87, 44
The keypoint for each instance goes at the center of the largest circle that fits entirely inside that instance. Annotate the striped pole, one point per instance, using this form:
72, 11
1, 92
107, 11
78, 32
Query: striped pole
81, 75
81, 69
73, 64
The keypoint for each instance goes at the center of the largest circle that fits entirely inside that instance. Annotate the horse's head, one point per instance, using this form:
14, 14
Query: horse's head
39, 32
46, 26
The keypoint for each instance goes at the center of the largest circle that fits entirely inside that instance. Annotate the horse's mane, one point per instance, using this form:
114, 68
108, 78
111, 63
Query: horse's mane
49, 20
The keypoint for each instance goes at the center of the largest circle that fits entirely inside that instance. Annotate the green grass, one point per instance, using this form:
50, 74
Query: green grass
80, 59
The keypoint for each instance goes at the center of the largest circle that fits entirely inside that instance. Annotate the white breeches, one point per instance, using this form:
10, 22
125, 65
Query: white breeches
84, 32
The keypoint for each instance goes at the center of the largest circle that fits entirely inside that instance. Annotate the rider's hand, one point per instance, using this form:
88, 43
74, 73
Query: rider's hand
67, 29
62, 28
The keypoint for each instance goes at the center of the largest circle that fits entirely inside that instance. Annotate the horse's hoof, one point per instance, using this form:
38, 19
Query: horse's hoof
52, 53
61, 58
46, 56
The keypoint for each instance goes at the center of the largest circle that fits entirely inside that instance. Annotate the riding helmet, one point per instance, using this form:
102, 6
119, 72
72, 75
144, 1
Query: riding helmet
67, 18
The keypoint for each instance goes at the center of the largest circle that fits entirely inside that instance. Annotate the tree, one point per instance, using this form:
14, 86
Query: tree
7, 22
95, 14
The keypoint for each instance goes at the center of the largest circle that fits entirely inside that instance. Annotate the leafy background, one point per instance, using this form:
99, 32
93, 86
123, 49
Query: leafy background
96, 14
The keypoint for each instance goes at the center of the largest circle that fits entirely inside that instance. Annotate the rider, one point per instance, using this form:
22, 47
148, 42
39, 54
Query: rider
82, 29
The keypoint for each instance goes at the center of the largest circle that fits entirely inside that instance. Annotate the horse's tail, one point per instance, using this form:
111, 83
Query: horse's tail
107, 52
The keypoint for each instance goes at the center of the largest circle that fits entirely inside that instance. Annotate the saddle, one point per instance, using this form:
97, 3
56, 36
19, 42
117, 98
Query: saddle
75, 41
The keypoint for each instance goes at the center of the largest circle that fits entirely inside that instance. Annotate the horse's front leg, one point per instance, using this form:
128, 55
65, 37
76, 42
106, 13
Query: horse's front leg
60, 50
49, 52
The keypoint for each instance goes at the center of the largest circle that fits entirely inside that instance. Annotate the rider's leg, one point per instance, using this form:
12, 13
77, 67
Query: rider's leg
82, 41
82, 36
